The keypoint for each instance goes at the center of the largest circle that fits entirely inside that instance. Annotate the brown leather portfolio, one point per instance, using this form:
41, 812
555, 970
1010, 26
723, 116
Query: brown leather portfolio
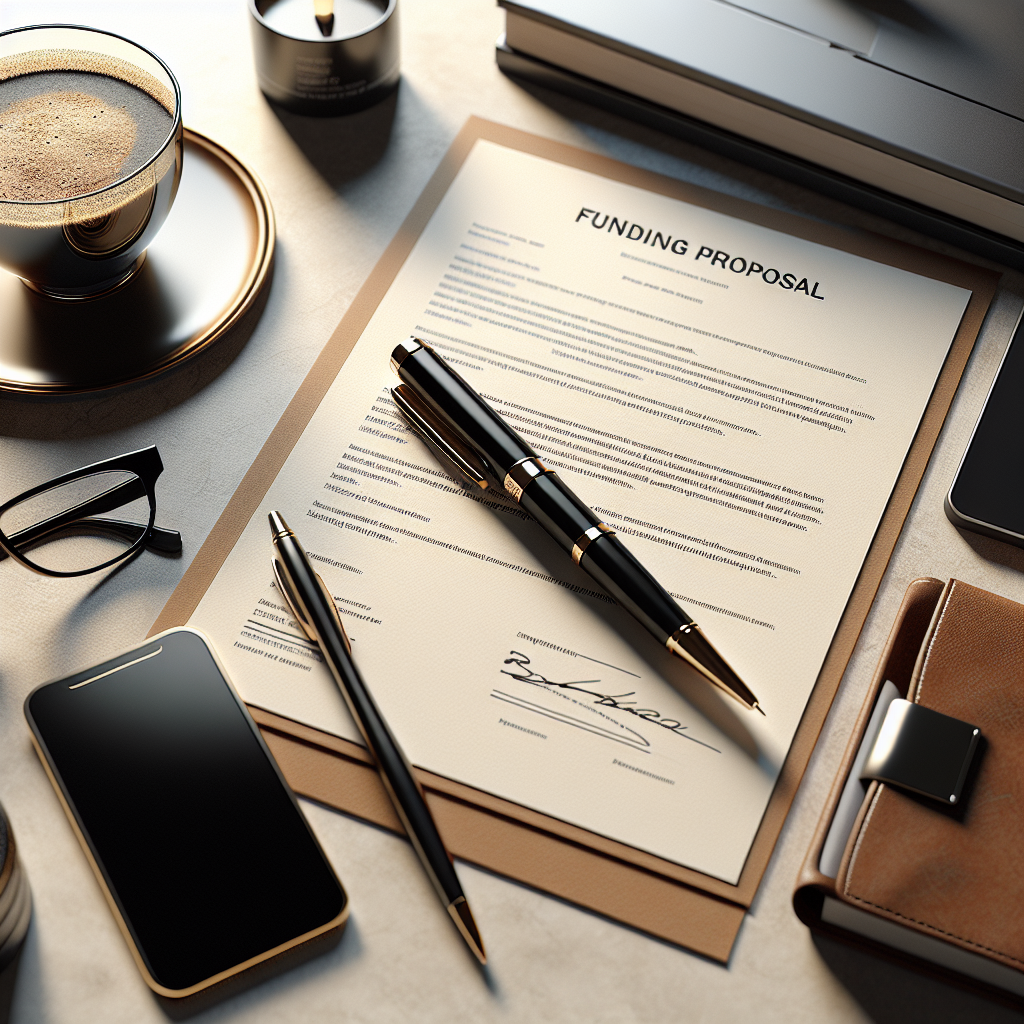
940, 887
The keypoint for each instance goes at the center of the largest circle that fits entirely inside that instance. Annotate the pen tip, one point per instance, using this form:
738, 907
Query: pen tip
463, 918
277, 524
690, 644
759, 708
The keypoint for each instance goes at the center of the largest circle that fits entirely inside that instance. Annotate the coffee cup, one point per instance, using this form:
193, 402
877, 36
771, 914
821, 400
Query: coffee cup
90, 157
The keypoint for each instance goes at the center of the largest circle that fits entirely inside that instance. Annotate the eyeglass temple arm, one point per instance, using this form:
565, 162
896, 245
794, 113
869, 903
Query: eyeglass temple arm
168, 540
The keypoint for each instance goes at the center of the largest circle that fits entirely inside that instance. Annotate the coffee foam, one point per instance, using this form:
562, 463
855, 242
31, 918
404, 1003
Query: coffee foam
84, 60
56, 197
59, 145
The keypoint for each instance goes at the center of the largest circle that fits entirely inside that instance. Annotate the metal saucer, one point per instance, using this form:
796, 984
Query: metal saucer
201, 275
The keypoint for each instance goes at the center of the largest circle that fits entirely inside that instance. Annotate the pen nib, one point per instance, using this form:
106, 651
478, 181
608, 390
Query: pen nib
463, 918
690, 644
278, 527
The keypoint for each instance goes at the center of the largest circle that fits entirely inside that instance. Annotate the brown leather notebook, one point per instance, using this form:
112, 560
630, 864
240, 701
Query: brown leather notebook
939, 887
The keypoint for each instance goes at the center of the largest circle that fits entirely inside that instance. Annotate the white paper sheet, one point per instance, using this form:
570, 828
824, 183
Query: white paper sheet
742, 437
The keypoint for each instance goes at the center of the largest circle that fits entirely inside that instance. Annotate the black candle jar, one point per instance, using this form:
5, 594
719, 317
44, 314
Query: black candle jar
305, 71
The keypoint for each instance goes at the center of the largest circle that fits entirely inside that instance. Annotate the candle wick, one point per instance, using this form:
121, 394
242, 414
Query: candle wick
324, 10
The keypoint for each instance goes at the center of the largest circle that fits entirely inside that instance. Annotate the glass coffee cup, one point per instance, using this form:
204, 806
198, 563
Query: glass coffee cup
90, 157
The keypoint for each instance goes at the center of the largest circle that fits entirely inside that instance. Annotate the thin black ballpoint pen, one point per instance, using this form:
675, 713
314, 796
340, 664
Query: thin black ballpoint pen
467, 434
313, 607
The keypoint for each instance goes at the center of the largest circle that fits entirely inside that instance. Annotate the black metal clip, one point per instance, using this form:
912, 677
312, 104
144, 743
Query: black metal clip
923, 751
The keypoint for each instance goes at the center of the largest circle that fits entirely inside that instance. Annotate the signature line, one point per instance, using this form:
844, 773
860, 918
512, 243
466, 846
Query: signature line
280, 634
566, 719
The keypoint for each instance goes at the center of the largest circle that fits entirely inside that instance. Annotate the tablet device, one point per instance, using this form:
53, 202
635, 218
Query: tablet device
987, 495
198, 843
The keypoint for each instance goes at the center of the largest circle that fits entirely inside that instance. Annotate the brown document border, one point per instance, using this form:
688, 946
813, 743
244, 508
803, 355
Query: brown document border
641, 875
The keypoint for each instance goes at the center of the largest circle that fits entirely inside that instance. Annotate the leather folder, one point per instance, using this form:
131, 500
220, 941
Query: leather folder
657, 896
938, 887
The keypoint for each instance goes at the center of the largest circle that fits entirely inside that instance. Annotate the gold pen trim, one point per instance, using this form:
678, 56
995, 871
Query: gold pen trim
294, 606
328, 597
673, 644
463, 918
291, 600
431, 431
585, 539
404, 349
521, 474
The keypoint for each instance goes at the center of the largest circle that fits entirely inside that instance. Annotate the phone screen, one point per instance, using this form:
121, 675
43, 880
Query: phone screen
200, 843
987, 495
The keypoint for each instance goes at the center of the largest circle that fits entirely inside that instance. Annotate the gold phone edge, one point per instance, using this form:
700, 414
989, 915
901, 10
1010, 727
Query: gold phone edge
162, 990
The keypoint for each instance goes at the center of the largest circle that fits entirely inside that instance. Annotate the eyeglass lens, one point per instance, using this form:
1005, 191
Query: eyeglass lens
82, 524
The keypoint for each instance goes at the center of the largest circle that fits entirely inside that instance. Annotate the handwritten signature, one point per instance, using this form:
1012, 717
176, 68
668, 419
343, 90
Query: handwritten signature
525, 674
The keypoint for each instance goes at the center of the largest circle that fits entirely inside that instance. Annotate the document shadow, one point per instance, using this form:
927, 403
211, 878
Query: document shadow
889, 993
708, 168
605, 921
720, 711
343, 148
722, 162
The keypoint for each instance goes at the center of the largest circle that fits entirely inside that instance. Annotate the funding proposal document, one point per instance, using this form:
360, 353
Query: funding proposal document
736, 402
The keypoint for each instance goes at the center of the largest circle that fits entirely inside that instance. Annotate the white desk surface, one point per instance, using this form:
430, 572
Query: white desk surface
340, 189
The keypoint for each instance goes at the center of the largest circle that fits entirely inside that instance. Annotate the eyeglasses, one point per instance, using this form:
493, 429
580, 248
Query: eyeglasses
60, 528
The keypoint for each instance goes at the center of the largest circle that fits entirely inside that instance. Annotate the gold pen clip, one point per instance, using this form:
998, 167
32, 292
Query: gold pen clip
426, 425
292, 601
294, 606
334, 612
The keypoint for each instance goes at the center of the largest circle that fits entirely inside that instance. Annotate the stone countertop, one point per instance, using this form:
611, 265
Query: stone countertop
340, 189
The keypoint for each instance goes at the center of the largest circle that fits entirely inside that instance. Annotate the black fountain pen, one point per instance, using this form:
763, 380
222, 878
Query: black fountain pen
466, 433
313, 607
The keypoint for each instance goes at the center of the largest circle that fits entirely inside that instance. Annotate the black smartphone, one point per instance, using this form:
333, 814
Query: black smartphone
198, 843
987, 495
